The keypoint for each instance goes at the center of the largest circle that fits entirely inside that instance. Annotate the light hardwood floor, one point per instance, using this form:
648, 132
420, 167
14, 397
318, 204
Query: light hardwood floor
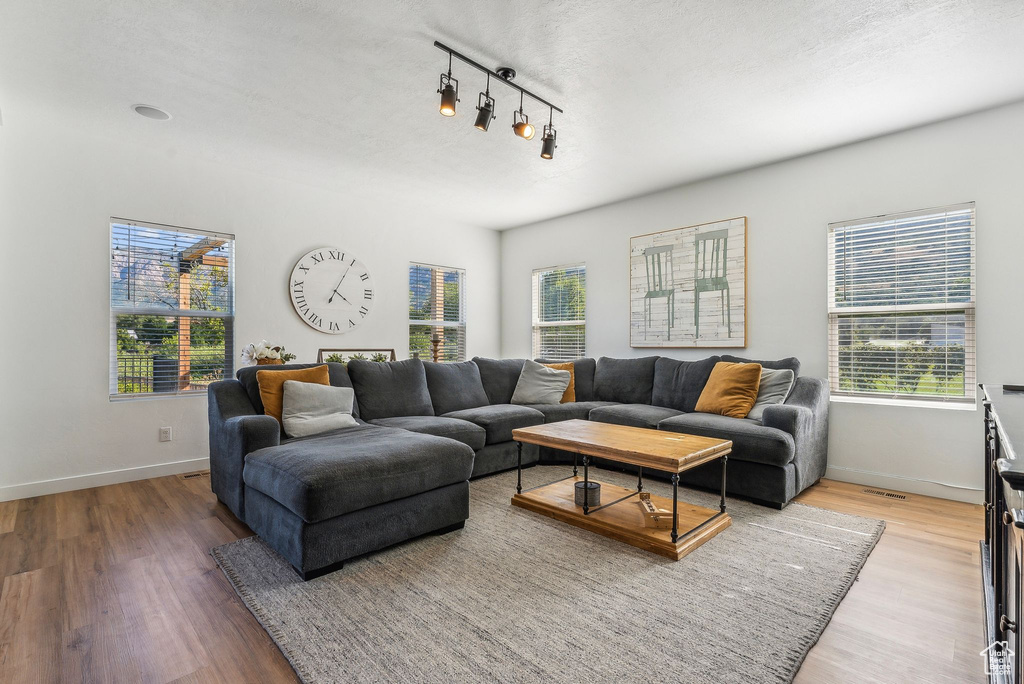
116, 584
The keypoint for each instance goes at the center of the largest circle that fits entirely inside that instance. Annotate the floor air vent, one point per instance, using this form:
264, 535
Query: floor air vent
192, 476
888, 495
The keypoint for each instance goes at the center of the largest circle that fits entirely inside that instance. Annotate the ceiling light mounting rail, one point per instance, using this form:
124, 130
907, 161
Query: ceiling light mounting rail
448, 88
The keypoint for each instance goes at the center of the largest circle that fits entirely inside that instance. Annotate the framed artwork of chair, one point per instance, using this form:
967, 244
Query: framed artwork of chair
687, 286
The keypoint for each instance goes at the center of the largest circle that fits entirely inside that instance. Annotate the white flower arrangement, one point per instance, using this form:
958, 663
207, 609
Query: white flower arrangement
252, 353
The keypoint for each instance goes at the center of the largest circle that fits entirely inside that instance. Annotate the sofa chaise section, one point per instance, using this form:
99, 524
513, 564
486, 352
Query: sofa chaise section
377, 485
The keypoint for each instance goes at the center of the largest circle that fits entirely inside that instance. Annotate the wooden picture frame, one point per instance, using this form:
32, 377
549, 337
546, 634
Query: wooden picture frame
688, 287
321, 354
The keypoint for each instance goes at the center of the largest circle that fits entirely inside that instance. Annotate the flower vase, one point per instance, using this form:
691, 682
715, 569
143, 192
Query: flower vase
269, 362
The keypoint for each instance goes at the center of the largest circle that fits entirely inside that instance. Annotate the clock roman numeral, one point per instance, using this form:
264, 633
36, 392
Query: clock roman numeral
318, 257
351, 323
298, 285
333, 326
314, 319
367, 294
334, 254
365, 276
304, 269
363, 311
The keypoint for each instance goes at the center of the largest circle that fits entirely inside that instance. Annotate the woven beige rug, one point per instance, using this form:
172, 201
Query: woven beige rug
518, 597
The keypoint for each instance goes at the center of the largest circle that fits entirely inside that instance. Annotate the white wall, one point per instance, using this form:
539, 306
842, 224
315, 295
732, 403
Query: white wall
58, 189
789, 206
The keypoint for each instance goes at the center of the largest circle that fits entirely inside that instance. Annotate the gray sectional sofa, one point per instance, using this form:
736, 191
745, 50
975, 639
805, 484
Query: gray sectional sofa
426, 429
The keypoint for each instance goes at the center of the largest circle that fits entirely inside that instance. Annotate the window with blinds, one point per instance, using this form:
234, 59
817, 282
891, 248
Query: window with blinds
560, 312
901, 305
437, 313
171, 309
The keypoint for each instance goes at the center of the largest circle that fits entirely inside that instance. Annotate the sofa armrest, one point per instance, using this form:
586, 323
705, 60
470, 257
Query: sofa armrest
805, 416
235, 431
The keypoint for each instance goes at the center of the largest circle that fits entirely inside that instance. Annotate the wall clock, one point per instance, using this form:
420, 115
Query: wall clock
331, 290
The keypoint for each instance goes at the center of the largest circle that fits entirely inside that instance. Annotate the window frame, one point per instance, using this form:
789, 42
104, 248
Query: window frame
536, 324
460, 324
116, 311
968, 309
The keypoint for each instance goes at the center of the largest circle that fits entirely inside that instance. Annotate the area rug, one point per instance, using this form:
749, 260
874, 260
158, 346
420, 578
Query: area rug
519, 597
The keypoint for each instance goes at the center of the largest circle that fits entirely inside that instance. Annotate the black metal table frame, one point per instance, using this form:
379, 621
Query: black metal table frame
587, 510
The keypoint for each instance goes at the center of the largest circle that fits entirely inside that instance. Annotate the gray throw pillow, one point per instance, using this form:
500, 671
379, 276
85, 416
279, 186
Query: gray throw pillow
774, 388
309, 408
540, 385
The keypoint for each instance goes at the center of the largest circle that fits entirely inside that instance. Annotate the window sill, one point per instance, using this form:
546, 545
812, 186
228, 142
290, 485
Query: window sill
151, 396
965, 405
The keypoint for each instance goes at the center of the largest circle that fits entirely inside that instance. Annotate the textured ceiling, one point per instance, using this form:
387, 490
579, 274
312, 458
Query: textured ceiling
342, 94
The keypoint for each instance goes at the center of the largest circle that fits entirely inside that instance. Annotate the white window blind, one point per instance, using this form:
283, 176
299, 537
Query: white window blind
560, 312
901, 301
437, 312
171, 309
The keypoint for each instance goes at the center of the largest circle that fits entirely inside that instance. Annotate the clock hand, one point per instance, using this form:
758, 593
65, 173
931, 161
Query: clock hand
339, 285
340, 295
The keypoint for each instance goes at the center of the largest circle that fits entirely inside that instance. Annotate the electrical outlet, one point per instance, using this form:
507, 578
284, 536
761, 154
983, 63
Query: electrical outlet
165, 434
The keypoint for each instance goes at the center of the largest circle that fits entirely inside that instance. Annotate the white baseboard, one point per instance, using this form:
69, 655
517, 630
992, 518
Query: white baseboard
905, 484
67, 484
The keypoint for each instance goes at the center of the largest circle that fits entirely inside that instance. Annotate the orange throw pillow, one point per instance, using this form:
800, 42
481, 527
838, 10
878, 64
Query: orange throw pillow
731, 389
570, 391
271, 384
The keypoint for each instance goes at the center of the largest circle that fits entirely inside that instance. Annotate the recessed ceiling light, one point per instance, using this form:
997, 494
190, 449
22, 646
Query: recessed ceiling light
151, 112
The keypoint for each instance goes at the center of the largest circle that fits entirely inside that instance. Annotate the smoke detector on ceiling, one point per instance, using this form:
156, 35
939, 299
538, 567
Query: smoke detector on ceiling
151, 112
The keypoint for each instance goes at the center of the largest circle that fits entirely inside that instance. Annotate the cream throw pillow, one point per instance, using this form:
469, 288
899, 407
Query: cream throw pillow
309, 408
539, 384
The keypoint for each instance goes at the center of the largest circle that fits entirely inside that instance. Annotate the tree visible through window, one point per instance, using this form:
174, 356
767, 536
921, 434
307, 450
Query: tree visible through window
437, 312
171, 307
560, 312
901, 305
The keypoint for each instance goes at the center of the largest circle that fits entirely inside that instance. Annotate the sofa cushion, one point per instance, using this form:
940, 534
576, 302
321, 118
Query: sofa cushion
678, 384
272, 385
582, 376
499, 377
539, 384
731, 389
774, 389
576, 410
637, 415
247, 376
750, 440
792, 363
454, 386
393, 388
630, 381
334, 473
469, 434
499, 420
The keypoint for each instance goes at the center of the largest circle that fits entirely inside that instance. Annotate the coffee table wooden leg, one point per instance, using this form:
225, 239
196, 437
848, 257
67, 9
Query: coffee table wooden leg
675, 507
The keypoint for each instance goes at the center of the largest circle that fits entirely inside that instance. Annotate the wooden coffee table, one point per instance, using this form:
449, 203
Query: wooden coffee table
619, 516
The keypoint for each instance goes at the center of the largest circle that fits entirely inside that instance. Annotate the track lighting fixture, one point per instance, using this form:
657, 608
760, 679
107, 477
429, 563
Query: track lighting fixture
521, 122
485, 108
449, 92
547, 141
448, 88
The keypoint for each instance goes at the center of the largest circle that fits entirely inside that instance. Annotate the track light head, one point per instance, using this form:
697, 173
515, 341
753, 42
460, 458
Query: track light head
484, 111
449, 94
521, 125
547, 148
